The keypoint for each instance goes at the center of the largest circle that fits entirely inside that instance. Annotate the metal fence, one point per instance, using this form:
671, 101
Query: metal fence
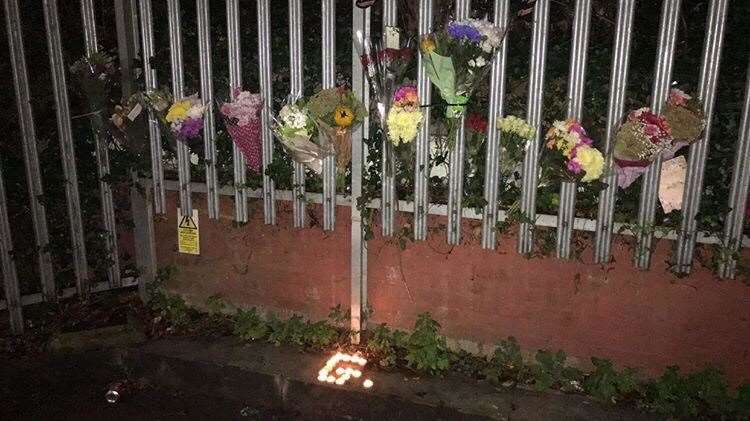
142, 34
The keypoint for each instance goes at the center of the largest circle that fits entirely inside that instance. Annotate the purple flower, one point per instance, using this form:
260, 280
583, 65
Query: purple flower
461, 31
190, 129
574, 166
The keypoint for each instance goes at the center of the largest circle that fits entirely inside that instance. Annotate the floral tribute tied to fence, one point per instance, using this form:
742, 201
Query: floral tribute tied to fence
242, 119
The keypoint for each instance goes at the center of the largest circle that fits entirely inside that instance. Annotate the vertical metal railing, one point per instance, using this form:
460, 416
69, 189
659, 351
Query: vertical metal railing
266, 90
178, 92
10, 276
422, 158
31, 159
697, 159
296, 88
328, 38
534, 118
576, 82
492, 160
456, 159
207, 96
154, 131
235, 82
615, 109
67, 150
358, 269
662, 80
735, 218
102, 156
389, 200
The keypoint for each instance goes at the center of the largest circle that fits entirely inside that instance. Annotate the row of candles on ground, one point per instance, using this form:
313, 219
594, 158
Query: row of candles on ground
335, 374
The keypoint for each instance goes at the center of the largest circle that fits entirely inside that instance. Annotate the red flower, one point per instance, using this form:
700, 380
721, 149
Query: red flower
477, 123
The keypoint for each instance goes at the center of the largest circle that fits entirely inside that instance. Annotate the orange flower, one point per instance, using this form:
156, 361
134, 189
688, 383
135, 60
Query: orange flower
343, 116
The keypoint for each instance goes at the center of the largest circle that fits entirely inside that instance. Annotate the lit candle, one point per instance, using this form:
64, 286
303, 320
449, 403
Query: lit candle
367, 383
331, 379
362, 362
340, 371
356, 374
340, 381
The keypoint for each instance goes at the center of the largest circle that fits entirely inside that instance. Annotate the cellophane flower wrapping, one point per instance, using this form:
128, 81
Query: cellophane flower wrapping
457, 58
243, 122
336, 112
515, 135
684, 116
295, 129
570, 154
404, 116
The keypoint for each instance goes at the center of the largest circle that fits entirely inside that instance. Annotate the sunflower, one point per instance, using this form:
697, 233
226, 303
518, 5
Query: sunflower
343, 116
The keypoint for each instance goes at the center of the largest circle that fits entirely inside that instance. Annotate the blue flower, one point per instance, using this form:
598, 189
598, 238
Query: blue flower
461, 31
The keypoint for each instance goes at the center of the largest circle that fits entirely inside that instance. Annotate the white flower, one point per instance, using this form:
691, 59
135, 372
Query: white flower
194, 158
480, 61
196, 111
472, 63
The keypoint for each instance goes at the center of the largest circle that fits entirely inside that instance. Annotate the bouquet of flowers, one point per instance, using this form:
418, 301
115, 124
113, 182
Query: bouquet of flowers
385, 66
124, 130
642, 138
516, 134
405, 116
572, 156
458, 57
294, 128
94, 74
185, 118
684, 116
336, 112
242, 119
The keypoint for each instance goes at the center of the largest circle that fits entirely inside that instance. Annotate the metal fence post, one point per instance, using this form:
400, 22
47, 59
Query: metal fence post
534, 118
102, 155
296, 88
328, 38
697, 160
10, 276
389, 201
456, 159
422, 158
266, 89
67, 149
235, 82
207, 96
31, 159
662, 78
492, 160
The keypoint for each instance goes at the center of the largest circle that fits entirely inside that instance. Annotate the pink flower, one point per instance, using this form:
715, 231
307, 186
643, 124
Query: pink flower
406, 95
574, 166
678, 97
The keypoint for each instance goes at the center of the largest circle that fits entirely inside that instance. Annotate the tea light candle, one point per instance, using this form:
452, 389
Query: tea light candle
367, 383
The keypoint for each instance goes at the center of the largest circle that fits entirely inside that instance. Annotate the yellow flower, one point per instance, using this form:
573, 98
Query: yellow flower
343, 116
591, 161
403, 124
428, 44
178, 111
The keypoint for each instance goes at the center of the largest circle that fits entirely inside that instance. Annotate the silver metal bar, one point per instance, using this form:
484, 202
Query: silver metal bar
662, 79
178, 92
492, 160
266, 89
235, 82
328, 13
734, 222
534, 117
31, 159
697, 160
29, 299
360, 22
615, 111
576, 84
422, 158
388, 177
296, 76
10, 275
207, 96
154, 131
456, 159
67, 150
102, 156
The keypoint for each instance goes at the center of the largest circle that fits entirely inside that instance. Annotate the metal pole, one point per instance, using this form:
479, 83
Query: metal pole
734, 222
662, 79
422, 158
102, 156
456, 159
207, 96
615, 111
492, 160
296, 75
576, 82
698, 150
178, 92
266, 89
534, 118
10, 276
67, 150
31, 159
154, 131
328, 13
235, 82
360, 22
389, 201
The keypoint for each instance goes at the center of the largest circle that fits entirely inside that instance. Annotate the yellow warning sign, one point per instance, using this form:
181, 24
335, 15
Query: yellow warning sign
188, 233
